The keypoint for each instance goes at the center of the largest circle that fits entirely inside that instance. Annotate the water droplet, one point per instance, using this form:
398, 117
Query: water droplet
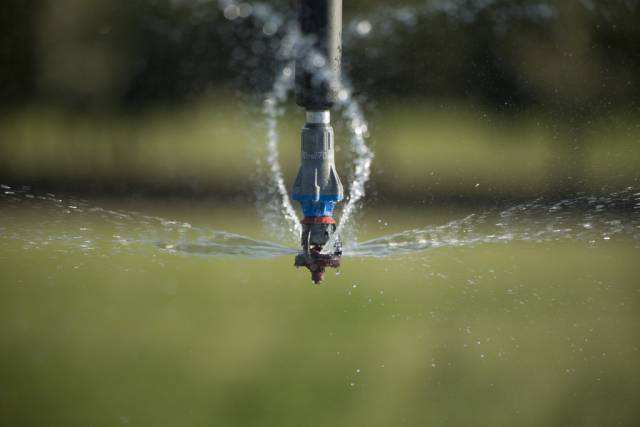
270, 28
318, 61
363, 28
245, 9
231, 12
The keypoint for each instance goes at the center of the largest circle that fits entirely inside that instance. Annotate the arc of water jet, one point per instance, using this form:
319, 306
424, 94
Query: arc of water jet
281, 87
363, 154
586, 218
295, 45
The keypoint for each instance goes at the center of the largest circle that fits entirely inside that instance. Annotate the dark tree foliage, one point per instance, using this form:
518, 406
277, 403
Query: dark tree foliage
17, 51
143, 53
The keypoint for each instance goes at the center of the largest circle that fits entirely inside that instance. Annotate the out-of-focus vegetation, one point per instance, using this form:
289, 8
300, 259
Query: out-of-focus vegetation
479, 100
422, 151
519, 97
576, 56
133, 336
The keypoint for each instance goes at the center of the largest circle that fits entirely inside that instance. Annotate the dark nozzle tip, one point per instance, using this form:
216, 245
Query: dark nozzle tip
317, 277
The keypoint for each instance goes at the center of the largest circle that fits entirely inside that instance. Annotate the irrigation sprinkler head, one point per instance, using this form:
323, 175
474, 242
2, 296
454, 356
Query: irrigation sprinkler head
317, 186
316, 233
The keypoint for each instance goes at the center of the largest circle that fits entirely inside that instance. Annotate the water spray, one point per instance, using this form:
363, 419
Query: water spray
317, 186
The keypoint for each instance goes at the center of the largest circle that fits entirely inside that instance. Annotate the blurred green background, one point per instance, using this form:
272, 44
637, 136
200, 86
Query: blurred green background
154, 106
521, 97
506, 334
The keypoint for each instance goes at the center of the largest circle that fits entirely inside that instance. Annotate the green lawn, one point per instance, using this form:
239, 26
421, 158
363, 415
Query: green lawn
421, 150
517, 334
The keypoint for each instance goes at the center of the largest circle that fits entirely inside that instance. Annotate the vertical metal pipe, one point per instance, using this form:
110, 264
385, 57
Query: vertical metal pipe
317, 186
321, 22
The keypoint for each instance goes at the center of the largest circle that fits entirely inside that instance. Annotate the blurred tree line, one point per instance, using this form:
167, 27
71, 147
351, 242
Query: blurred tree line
103, 54
568, 61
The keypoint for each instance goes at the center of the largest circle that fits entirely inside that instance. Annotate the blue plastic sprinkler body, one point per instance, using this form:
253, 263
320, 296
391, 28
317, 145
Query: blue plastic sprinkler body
317, 186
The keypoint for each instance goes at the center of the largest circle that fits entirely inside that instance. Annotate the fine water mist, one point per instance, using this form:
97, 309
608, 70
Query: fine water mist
586, 218
488, 275
592, 220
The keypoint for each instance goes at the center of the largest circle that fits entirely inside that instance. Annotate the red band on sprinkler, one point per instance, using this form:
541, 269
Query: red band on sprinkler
317, 220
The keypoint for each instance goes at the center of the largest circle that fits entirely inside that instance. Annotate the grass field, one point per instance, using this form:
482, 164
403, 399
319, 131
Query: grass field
518, 334
421, 150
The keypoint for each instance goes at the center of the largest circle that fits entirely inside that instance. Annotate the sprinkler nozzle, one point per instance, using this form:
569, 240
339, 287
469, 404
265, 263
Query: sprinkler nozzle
318, 189
316, 233
317, 186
